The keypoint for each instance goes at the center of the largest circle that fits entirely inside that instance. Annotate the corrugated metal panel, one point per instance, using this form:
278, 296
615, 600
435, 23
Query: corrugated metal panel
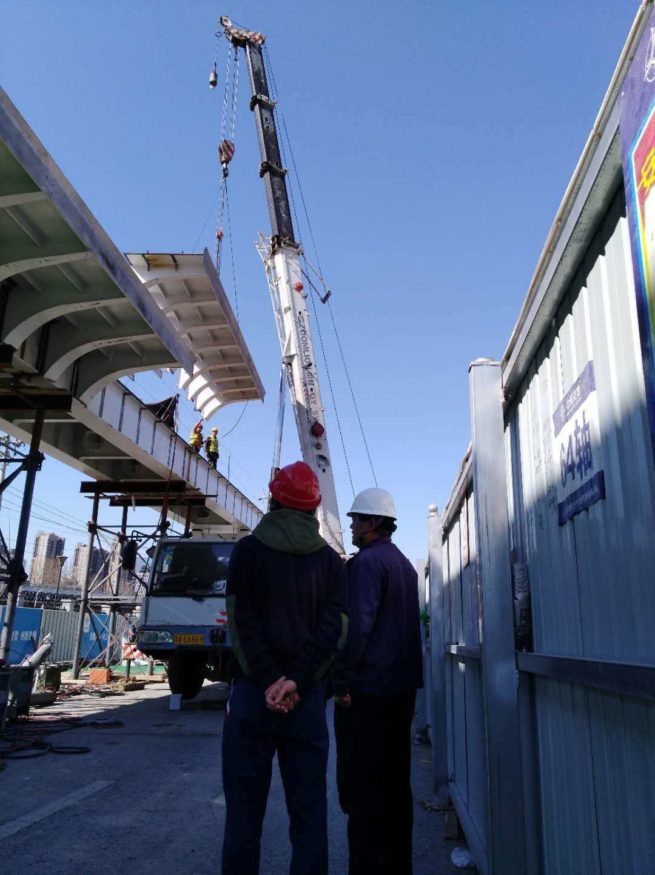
62, 626
466, 751
622, 745
450, 721
475, 719
574, 569
455, 668
568, 822
591, 579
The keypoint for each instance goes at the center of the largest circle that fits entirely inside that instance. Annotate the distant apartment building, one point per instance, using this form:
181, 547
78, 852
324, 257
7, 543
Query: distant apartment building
98, 557
45, 565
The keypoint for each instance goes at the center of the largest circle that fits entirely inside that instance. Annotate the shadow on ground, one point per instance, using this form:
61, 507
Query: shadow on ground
147, 798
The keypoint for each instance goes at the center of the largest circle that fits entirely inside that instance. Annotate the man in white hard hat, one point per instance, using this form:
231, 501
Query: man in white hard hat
375, 681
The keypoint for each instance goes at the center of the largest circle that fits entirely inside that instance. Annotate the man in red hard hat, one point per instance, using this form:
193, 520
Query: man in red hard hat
285, 603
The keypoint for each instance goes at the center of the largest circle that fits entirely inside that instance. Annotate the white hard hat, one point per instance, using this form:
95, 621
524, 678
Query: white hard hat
374, 502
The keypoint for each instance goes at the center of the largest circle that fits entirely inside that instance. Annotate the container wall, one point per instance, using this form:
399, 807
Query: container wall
588, 576
591, 578
577, 417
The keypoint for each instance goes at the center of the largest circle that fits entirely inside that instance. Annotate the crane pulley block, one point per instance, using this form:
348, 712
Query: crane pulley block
238, 36
226, 151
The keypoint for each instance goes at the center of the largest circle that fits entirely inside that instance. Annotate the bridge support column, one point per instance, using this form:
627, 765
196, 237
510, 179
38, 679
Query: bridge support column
17, 574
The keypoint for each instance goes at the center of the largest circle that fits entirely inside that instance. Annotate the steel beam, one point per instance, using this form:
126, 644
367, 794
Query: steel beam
116, 568
622, 678
463, 651
84, 601
158, 501
31, 400
17, 574
131, 487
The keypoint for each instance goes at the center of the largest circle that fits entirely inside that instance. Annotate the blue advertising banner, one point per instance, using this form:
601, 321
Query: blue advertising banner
95, 628
637, 126
25, 634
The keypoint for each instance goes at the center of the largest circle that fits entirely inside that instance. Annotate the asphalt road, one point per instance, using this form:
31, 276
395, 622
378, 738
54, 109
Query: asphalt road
147, 798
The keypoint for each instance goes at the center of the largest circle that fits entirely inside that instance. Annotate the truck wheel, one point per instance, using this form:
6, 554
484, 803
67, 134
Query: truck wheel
185, 675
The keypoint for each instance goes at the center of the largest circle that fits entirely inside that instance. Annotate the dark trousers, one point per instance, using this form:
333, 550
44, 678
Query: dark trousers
251, 736
373, 777
212, 458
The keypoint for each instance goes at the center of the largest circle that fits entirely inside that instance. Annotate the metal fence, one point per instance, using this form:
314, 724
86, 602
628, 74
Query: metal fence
62, 625
549, 718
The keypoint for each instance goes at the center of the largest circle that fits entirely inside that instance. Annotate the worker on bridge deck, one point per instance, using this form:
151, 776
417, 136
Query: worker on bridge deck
285, 603
211, 447
195, 438
375, 678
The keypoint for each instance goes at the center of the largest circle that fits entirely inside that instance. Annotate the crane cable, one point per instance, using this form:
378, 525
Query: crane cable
223, 185
319, 273
231, 85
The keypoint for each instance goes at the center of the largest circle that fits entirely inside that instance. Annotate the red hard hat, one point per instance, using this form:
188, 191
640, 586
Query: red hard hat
296, 486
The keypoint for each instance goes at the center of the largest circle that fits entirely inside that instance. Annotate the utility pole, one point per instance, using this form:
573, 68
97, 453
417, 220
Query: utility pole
62, 561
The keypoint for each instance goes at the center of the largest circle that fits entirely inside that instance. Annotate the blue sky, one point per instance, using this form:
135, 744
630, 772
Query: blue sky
433, 151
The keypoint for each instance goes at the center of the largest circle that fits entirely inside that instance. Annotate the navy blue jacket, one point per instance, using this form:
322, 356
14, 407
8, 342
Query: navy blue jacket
382, 655
286, 611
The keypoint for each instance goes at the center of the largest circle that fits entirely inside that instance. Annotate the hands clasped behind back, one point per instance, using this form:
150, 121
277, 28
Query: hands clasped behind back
282, 696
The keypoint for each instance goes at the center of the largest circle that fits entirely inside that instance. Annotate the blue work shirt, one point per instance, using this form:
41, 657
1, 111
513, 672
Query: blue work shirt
382, 655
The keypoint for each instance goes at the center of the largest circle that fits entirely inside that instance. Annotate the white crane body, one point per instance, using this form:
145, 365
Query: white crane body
292, 318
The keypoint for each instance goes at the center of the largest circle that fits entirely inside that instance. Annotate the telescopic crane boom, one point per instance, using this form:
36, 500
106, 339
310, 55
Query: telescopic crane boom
281, 257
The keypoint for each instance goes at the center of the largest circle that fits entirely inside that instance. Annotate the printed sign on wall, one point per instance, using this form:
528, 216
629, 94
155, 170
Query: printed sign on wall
577, 448
637, 127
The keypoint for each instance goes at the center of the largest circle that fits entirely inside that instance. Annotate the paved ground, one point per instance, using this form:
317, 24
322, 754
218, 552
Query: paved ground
147, 799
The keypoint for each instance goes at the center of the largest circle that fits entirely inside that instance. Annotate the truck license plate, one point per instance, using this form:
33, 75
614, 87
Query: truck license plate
188, 639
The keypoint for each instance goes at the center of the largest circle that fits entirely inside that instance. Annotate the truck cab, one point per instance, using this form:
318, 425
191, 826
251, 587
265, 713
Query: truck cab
184, 613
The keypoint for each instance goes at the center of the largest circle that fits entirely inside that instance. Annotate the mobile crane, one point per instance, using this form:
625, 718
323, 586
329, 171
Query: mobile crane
184, 620
281, 256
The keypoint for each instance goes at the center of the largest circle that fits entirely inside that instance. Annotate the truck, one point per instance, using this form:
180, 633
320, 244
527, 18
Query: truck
184, 619
184, 614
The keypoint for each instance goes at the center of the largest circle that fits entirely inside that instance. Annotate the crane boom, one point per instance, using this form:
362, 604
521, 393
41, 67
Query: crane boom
281, 257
